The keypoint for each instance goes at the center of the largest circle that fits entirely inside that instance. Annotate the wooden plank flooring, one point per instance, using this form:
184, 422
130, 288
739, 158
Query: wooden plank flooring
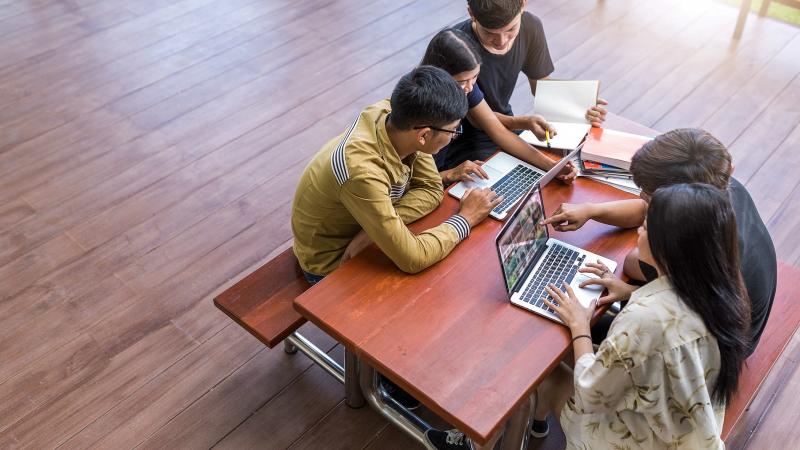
149, 150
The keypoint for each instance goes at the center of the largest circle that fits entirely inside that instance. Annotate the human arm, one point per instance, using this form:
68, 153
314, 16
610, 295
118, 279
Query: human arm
424, 193
621, 213
366, 198
511, 143
602, 381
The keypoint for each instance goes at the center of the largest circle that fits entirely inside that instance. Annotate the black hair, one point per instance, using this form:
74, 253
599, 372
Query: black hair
427, 96
452, 50
494, 14
691, 229
685, 155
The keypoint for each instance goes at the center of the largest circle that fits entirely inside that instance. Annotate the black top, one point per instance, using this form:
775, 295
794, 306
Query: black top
528, 54
758, 260
474, 98
757, 253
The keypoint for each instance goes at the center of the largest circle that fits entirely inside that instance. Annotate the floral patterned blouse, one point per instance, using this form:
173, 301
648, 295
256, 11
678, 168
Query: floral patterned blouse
649, 384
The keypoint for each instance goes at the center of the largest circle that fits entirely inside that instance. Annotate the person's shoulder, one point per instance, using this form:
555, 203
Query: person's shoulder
356, 153
475, 97
465, 25
531, 23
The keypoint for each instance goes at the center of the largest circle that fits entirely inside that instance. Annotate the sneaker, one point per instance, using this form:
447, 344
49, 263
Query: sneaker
404, 398
448, 440
540, 428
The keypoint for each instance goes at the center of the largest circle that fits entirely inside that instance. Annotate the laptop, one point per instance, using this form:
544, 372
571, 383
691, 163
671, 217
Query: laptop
512, 178
531, 259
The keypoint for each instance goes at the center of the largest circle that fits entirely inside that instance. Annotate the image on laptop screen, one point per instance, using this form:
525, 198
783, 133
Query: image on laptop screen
524, 235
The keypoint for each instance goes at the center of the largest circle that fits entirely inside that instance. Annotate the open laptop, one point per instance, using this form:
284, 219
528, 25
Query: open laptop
530, 260
512, 178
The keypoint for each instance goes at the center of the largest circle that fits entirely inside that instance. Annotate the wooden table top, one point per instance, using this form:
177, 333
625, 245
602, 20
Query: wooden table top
449, 335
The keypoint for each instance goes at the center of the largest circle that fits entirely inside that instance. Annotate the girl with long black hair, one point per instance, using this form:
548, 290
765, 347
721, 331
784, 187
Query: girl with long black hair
673, 356
459, 55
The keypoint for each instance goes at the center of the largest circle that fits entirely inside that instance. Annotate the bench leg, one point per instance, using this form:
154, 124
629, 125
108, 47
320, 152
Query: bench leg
516, 435
353, 396
321, 358
288, 347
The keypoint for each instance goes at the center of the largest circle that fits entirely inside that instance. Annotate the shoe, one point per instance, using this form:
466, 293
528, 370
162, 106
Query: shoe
448, 440
400, 396
540, 428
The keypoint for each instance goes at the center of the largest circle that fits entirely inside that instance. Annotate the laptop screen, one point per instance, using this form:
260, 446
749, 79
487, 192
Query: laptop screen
521, 238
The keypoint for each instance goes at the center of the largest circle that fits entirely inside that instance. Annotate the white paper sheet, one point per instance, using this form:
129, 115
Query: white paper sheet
565, 100
568, 135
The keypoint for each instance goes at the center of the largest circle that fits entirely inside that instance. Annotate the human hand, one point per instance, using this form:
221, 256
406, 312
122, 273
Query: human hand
569, 309
538, 126
476, 204
617, 289
569, 217
466, 170
568, 173
596, 115
359, 243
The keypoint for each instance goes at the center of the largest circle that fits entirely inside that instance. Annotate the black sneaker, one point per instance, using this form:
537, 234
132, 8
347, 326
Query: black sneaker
448, 440
540, 428
401, 396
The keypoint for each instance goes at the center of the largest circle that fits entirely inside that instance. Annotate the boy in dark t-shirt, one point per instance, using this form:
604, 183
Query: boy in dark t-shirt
686, 155
512, 41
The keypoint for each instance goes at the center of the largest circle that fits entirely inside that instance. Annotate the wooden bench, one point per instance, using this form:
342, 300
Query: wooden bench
742, 415
262, 302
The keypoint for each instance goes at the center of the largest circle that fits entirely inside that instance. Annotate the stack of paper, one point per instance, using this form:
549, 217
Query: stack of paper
613, 148
606, 157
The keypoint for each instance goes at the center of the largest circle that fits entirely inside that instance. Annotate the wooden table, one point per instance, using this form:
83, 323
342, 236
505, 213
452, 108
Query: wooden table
449, 335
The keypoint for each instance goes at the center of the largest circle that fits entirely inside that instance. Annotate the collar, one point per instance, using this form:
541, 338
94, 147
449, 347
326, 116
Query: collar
399, 170
660, 284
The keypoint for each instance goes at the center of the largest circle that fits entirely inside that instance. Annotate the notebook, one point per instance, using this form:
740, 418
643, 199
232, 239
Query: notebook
563, 103
615, 148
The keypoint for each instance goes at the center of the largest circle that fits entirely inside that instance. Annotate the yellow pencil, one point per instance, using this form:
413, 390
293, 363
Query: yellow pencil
547, 137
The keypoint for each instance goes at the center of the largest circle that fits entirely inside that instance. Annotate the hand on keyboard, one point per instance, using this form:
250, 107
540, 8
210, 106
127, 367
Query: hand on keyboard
466, 171
476, 204
569, 308
603, 277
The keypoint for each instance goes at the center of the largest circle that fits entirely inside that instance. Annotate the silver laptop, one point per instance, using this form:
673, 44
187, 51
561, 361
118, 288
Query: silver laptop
530, 260
512, 178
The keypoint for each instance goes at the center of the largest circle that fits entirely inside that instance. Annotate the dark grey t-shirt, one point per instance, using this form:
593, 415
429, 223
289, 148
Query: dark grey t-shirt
758, 260
529, 54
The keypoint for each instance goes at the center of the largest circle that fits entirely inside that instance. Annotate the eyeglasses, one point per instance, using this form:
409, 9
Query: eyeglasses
454, 133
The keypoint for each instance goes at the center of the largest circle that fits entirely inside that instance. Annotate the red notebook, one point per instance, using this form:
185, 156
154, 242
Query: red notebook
611, 147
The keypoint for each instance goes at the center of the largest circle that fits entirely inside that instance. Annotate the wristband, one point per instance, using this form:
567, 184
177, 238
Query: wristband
581, 336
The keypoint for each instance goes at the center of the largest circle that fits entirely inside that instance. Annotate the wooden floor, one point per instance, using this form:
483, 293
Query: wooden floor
149, 150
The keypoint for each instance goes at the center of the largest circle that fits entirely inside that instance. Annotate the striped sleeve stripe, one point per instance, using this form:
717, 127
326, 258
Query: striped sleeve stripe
460, 224
338, 161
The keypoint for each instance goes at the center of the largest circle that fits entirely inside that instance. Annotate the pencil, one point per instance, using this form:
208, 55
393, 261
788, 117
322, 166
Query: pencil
547, 137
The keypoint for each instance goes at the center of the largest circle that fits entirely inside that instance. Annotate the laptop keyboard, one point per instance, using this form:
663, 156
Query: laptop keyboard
559, 266
514, 185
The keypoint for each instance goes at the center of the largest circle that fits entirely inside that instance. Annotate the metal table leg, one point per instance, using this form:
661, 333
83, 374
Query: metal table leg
353, 396
516, 434
388, 407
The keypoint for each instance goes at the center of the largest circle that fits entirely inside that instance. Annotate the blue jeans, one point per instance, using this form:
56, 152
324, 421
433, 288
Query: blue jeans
313, 279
